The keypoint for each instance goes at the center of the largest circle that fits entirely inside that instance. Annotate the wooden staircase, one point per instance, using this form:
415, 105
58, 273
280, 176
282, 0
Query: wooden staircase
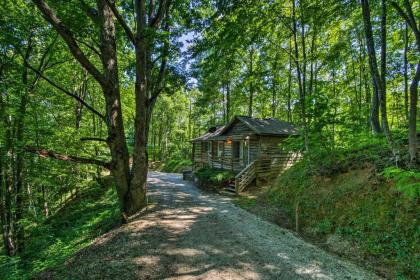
242, 179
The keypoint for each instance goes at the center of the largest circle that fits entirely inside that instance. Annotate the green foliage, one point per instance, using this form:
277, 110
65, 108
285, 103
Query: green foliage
52, 241
176, 166
406, 181
213, 178
343, 192
246, 202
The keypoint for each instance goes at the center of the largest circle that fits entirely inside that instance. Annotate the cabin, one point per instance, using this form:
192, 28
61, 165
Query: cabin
250, 147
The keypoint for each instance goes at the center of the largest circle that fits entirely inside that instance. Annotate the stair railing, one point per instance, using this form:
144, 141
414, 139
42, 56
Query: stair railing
245, 177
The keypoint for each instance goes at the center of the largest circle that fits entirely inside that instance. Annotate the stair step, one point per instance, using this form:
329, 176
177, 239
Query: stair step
229, 190
225, 192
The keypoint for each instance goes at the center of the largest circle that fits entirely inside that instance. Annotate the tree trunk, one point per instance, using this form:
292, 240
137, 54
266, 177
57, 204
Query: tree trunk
406, 39
227, 101
412, 122
382, 91
116, 136
374, 111
82, 94
130, 184
301, 80
289, 85
251, 82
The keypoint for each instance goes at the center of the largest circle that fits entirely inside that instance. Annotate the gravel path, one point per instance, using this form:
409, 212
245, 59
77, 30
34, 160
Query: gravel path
189, 234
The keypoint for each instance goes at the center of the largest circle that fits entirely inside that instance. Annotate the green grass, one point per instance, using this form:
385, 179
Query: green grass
176, 166
50, 242
345, 193
245, 202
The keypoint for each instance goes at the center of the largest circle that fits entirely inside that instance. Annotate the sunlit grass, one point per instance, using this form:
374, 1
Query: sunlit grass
52, 241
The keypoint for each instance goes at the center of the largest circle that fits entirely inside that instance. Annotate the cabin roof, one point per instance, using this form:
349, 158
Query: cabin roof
267, 127
270, 126
213, 131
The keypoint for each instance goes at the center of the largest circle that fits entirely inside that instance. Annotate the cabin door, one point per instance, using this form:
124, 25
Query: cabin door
245, 147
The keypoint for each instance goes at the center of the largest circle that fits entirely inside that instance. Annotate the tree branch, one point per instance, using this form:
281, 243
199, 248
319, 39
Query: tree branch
90, 12
51, 154
163, 6
122, 22
67, 36
93, 139
67, 92
409, 18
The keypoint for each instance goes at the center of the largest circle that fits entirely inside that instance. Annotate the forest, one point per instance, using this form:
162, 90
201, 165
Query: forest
96, 93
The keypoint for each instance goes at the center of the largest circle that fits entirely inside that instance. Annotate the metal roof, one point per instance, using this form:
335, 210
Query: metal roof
268, 127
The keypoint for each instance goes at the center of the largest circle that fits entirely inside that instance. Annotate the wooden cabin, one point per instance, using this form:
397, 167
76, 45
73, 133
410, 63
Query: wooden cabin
249, 147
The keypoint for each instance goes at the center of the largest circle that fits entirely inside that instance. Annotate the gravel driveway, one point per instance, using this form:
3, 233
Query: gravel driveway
189, 234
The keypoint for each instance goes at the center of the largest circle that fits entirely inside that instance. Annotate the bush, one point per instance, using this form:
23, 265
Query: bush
213, 178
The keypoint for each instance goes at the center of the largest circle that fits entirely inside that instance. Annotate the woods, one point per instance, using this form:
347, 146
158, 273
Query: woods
97, 88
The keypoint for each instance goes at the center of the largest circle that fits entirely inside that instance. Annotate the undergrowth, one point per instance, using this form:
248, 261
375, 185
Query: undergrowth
172, 165
50, 242
213, 178
357, 194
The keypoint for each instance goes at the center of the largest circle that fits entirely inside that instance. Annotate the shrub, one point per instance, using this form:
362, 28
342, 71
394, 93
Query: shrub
213, 178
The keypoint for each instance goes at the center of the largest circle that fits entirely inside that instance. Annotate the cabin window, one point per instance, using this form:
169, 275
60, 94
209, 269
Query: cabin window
220, 148
214, 148
204, 147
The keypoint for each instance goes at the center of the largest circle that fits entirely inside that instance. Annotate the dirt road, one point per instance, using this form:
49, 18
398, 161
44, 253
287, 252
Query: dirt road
189, 234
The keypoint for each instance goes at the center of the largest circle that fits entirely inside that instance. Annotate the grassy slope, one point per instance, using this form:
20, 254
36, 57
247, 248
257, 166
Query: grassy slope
51, 242
347, 206
173, 166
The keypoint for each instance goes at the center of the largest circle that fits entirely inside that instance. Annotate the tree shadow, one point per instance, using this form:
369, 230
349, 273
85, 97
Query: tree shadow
194, 235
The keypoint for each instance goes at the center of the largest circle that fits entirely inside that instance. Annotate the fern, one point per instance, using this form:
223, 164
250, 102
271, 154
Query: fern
407, 182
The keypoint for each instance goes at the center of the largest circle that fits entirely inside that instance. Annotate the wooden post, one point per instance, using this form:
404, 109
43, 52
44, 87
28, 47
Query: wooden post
297, 217
192, 155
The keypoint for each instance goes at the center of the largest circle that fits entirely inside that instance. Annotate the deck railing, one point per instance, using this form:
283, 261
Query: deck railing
246, 176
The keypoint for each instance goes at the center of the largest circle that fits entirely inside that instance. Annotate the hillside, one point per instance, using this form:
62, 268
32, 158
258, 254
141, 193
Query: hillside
52, 241
349, 202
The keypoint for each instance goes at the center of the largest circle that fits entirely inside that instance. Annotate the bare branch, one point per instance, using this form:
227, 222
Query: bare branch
51, 154
67, 92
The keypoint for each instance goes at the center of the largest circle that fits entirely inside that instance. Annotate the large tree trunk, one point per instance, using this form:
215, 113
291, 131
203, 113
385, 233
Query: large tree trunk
130, 184
114, 120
